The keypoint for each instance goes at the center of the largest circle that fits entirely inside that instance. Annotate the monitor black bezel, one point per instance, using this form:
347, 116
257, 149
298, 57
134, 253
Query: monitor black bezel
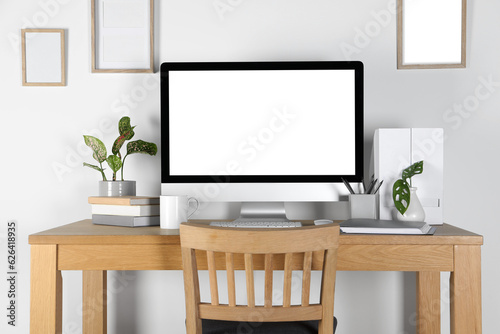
357, 66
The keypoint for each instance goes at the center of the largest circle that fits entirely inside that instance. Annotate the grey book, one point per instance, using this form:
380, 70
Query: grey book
378, 226
129, 221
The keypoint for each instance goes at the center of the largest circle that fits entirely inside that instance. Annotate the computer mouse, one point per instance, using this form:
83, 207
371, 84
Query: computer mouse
323, 221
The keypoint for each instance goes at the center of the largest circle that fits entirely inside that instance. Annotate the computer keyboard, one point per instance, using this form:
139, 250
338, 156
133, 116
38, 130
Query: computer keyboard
257, 224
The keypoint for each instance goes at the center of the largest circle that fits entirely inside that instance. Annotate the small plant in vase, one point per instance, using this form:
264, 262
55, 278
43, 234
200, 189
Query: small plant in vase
115, 160
405, 196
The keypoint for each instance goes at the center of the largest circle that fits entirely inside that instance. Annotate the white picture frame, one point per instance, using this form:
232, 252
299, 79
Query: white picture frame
431, 34
122, 36
43, 57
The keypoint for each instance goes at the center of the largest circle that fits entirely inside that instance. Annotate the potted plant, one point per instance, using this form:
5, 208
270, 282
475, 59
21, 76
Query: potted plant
405, 197
115, 160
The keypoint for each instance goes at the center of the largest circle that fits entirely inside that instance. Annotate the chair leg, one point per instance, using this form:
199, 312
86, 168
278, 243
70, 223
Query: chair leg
191, 287
327, 326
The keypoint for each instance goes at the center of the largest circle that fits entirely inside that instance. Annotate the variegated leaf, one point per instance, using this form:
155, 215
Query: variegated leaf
93, 166
140, 146
114, 163
97, 168
126, 133
97, 146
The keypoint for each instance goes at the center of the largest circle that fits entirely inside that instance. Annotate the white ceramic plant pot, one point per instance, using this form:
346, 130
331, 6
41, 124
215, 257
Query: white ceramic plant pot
117, 188
415, 211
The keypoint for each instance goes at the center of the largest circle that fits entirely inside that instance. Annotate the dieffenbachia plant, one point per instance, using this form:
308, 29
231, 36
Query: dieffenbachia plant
401, 188
115, 161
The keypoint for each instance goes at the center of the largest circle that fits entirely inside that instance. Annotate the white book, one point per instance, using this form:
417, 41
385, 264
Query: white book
124, 210
379, 226
128, 221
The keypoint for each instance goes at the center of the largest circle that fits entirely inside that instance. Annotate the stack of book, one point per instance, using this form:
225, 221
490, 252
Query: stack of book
131, 211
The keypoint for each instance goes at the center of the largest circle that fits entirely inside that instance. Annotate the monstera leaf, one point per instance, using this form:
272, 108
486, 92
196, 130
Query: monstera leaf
401, 188
126, 133
401, 195
416, 168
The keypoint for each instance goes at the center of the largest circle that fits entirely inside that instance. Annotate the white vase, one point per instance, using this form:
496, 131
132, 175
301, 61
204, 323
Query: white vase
415, 211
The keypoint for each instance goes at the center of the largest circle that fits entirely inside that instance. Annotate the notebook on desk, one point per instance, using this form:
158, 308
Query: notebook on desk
379, 226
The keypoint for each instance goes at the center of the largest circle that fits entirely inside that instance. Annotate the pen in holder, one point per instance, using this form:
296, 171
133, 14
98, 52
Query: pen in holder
363, 205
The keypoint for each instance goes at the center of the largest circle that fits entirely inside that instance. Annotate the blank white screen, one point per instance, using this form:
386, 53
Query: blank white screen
280, 122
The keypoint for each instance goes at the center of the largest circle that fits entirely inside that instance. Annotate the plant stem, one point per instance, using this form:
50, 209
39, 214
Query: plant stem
102, 172
123, 164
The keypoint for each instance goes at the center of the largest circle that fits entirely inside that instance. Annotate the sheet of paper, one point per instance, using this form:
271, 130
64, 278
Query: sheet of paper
43, 57
124, 14
439, 40
128, 48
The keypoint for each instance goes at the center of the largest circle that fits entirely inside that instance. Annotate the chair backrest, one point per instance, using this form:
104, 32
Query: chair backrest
305, 248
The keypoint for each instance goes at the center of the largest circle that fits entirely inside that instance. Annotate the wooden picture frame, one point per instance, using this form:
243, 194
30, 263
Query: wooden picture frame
122, 36
431, 34
43, 57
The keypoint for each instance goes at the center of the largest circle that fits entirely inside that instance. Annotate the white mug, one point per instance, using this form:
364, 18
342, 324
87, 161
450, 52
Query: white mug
174, 210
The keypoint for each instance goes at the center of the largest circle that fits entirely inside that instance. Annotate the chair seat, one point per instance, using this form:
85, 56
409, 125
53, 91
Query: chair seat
232, 327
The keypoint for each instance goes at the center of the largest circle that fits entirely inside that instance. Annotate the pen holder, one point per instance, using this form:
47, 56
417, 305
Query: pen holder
363, 205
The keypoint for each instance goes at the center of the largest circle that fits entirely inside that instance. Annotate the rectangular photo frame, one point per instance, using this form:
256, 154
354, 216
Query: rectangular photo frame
431, 34
43, 57
122, 36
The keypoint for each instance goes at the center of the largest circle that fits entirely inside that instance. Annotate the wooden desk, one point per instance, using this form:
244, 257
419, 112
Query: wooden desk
95, 249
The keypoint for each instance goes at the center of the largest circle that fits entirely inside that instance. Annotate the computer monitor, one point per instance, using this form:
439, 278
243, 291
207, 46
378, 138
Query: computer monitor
265, 132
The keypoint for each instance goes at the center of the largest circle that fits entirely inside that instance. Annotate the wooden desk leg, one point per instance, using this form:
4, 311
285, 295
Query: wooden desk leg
45, 291
429, 302
94, 315
465, 294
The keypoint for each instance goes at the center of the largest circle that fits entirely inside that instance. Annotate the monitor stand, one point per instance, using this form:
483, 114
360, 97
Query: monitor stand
262, 211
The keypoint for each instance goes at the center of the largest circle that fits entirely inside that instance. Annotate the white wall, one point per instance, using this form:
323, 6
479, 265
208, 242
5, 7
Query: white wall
43, 184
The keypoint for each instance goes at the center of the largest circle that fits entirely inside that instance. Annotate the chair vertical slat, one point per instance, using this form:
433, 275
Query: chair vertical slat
268, 283
231, 287
212, 274
287, 283
249, 280
306, 278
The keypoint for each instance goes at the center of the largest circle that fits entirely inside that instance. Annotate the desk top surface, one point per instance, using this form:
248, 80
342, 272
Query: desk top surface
84, 232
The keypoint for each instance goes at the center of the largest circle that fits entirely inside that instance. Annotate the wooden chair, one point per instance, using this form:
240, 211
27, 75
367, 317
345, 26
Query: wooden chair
306, 248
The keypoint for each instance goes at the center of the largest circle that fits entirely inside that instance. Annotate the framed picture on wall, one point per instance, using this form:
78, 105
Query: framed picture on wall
122, 36
431, 34
43, 57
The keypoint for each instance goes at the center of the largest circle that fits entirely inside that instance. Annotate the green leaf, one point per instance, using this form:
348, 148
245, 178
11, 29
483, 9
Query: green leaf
97, 168
97, 147
124, 125
401, 195
126, 133
140, 146
93, 167
114, 162
416, 168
